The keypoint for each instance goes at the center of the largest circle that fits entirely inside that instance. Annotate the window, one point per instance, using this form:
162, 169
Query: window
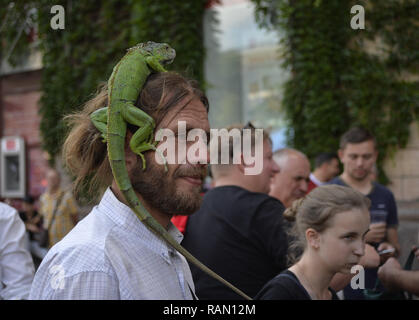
243, 74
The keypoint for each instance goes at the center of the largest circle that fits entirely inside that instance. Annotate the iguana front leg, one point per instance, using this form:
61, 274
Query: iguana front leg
100, 121
154, 64
142, 139
140, 147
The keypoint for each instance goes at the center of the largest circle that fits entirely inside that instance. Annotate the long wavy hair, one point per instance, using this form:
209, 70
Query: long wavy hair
84, 152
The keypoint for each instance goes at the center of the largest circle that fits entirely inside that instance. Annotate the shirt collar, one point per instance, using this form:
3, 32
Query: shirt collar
315, 180
125, 217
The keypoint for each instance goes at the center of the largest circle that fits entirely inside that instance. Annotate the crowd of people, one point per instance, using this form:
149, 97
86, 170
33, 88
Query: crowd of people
285, 233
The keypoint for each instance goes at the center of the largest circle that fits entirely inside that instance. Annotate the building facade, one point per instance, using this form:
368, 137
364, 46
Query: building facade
243, 83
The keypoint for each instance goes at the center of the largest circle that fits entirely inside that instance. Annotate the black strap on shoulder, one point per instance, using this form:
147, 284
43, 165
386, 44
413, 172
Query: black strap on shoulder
194, 297
409, 261
408, 266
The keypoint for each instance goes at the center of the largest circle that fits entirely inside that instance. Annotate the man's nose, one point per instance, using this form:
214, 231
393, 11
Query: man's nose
304, 186
206, 157
359, 162
275, 167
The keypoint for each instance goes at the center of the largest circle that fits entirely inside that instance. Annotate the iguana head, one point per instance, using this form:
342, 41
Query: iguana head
162, 51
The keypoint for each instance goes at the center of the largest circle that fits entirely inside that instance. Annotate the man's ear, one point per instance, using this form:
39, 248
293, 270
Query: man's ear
313, 238
340, 154
375, 155
242, 164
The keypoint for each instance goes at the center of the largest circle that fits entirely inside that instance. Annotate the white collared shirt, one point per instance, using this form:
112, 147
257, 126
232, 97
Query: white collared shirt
16, 264
111, 254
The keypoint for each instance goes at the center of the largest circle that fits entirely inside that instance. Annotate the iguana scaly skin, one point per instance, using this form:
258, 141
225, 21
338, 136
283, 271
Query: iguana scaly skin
124, 86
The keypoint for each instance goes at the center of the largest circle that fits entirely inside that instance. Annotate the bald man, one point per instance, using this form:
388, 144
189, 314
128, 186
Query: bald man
291, 182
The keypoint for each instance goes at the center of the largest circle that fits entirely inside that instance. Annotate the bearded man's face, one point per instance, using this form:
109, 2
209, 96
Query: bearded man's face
164, 190
176, 191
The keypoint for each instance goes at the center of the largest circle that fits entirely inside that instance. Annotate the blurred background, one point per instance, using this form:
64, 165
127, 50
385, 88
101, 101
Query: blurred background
297, 68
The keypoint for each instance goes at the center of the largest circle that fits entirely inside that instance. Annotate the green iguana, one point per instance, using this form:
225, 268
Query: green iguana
124, 86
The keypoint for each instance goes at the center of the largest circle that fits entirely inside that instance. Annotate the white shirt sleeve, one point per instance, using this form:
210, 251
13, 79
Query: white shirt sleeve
16, 264
92, 285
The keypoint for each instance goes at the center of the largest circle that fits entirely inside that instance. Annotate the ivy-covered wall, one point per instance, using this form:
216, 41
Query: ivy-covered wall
343, 77
340, 77
97, 33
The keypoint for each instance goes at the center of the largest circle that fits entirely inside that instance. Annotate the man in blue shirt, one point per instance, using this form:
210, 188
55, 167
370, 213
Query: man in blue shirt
358, 154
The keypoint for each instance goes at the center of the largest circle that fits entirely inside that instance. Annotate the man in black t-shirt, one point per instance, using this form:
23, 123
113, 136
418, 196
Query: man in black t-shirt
238, 232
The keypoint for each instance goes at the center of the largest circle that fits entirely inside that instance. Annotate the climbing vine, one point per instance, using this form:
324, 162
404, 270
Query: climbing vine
96, 34
341, 77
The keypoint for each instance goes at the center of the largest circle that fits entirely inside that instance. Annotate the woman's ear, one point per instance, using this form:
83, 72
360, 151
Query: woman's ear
313, 238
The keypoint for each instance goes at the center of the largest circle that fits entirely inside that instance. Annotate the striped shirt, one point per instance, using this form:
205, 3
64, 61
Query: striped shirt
110, 254
63, 221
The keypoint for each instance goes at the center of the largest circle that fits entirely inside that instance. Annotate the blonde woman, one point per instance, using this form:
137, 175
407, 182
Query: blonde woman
329, 229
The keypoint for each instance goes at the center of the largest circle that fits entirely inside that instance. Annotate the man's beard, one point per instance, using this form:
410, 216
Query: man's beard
159, 190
